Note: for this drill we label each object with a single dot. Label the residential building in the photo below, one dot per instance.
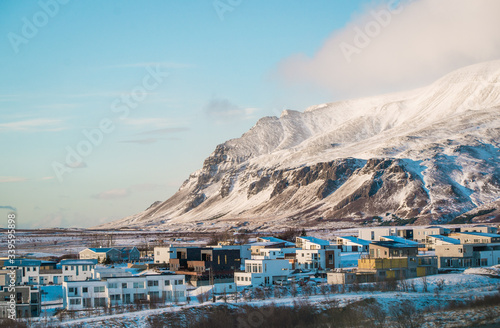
(275, 253)
(101, 273)
(275, 240)
(454, 256)
(245, 250)
(480, 228)
(307, 242)
(77, 269)
(389, 259)
(264, 272)
(317, 259)
(255, 248)
(437, 240)
(130, 254)
(26, 299)
(119, 291)
(101, 254)
(374, 234)
(353, 244)
(420, 234)
(467, 255)
(476, 237)
(30, 270)
(10, 275)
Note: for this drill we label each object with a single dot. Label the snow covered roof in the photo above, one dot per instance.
(401, 240)
(101, 249)
(392, 244)
(23, 263)
(79, 262)
(356, 240)
(276, 240)
(446, 239)
(481, 234)
(315, 240)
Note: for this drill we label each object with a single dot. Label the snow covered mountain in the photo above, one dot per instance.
(430, 154)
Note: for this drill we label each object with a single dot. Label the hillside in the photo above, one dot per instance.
(429, 154)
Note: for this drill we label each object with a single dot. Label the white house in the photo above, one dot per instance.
(437, 240)
(275, 240)
(273, 253)
(374, 234)
(420, 234)
(101, 273)
(353, 244)
(307, 242)
(100, 254)
(263, 272)
(317, 259)
(30, 270)
(164, 254)
(77, 269)
(479, 228)
(123, 290)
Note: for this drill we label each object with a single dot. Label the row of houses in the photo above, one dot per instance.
(110, 254)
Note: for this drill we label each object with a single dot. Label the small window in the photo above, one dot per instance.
(99, 289)
(124, 285)
(167, 282)
(85, 289)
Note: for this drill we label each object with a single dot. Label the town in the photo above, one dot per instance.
(118, 279)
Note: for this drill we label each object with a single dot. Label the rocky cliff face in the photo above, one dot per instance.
(428, 155)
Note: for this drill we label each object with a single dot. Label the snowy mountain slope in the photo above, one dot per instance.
(431, 153)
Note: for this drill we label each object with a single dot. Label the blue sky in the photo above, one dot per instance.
(66, 68)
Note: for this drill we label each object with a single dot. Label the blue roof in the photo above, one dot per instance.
(78, 262)
(101, 249)
(392, 244)
(276, 240)
(23, 263)
(401, 240)
(446, 239)
(482, 234)
(357, 240)
(316, 240)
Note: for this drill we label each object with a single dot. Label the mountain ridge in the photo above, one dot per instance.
(430, 153)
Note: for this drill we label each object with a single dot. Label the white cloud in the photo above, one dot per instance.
(12, 179)
(224, 109)
(112, 194)
(32, 125)
(418, 43)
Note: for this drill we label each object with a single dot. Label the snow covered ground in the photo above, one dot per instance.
(441, 290)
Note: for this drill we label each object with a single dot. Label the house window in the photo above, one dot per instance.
(113, 285)
(115, 297)
(85, 289)
(71, 289)
(167, 282)
(75, 301)
(179, 282)
(139, 284)
(72, 267)
(152, 283)
(99, 289)
(124, 285)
